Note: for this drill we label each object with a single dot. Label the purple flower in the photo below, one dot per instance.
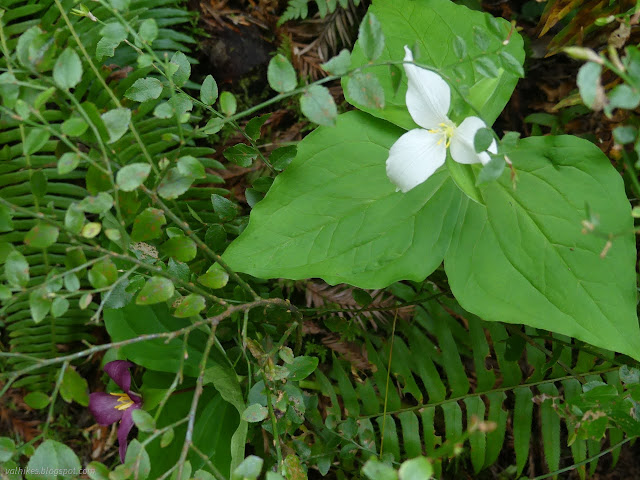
(108, 408)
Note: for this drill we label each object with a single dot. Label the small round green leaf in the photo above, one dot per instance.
(370, 36)
(16, 269)
(35, 140)
(249, 469)
(144, 89)
(74, 387)
(143, 420)
(280, 74)
(365, 89)
(174, 184)
(209, 90)
(116, 122)
(132, 176)
(67, 71)
(418, 468)
(91, 230)
(37, 400)
(224, 208)
(59, 306)
(214, 278)
(255, 413)
(181, 248)
(318, 106)
(191, 167)
(42, 235)
(74, 127)
(148, 225)
(156, 290)
(183, 72)
(167, 438)
(191, 305)
(7, 449)
(68, 162)
(39, 304)
(228, 103)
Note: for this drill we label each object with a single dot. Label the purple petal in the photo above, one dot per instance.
(118, 370)
(123, 431)
(103, 407)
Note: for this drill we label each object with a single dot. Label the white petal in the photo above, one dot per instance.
(462, 149)
(428, 95)
(414, 157)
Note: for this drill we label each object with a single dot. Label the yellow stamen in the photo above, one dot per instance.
(446, 131)
(124, 401)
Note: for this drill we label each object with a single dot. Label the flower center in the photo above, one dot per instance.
(446, 131)
(124, 401)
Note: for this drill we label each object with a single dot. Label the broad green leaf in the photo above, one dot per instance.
(190, 305)
(323, 217)
(224, 208)
(148, 225)
(16, 269)
(113, 34)
(174, 184)
(280, 74)
(370, 36)
(183, 72)
(42, 235)
(144, 89)
(68, 162)
(181, 248)
(132, 176)
(35, 140)
(117, 122)
(209, 90)
(318, 106)
(571, 285)
(409, 22)
(37, 400)
(74, 387)
(52, 455)
(39, 304)
(255, 413)
(156, 290)
(67, 72)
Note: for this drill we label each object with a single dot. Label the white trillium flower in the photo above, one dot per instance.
(417, 154)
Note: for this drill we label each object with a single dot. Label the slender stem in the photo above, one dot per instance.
(386, 388)
(274, 420)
